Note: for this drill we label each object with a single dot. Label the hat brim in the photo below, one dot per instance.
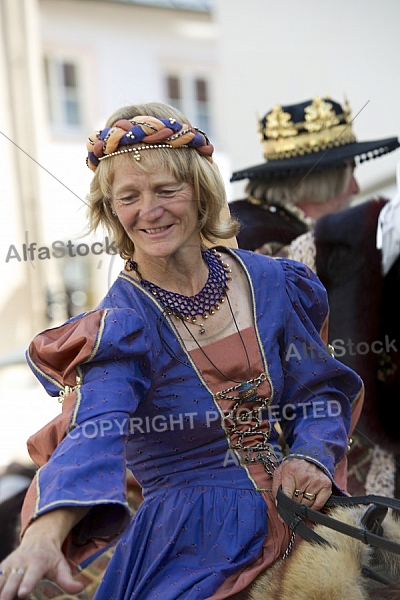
(317, 161)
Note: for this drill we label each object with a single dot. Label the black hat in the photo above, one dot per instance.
(310, 135)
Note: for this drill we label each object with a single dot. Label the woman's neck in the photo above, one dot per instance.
(184, 274)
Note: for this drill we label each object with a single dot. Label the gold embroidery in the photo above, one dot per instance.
(279, 124)
(321, 129)
(319, 115)
(67, 390)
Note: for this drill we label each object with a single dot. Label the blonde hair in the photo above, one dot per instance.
(315, 188)
(184, 164)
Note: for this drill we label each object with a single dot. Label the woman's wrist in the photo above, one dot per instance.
(55, 525)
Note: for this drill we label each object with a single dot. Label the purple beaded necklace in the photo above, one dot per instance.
(205, 303)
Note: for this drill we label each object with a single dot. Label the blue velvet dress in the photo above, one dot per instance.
(135, 397)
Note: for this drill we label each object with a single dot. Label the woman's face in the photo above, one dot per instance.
(158, 213)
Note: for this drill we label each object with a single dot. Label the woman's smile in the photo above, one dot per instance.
(158, 212)
(156, 230)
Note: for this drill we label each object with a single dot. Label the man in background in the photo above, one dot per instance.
(297, 206)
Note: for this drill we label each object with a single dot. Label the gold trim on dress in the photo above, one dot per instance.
(35, 367)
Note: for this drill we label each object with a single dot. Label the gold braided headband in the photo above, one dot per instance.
(152, 132)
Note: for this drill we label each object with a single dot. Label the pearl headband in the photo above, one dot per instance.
(153, 132)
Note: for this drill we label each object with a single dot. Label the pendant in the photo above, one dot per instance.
(201, 330)
(247, 392)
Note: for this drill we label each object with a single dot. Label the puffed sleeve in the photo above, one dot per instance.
(96, 365)
(322, 397)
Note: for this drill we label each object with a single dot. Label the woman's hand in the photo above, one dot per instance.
(39, 556)
(31, 562)
(303, 481)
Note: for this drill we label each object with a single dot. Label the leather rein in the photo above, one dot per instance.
(294, 514)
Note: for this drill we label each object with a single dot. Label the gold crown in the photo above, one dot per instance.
(305, 128)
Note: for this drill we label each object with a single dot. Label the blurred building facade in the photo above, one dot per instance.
(66, 66)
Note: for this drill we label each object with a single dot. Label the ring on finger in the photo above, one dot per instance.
(297, 493)
(310, 497)
(17, 571)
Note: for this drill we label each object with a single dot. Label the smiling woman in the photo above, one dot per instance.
(177, 376)
(158, 213)
(175, 157)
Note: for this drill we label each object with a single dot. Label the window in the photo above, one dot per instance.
(63, 93)
(174, 91)
(191, 95)
(202, 105)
